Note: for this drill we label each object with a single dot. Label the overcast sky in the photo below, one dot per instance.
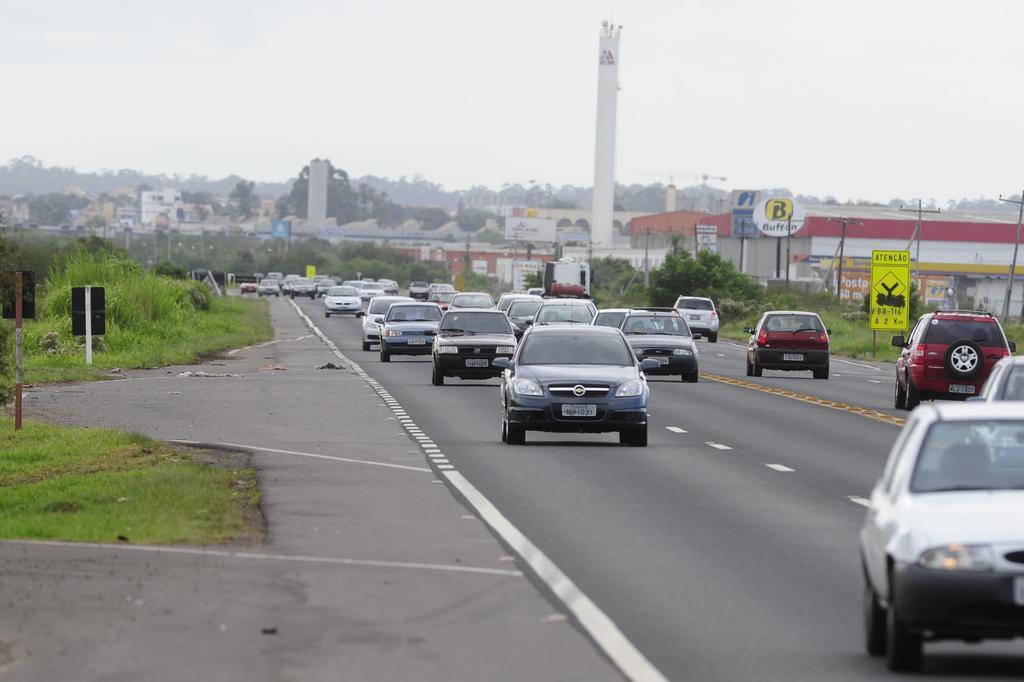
(857, 98)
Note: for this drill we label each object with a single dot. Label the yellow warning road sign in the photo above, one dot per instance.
(310, 271)
(890, 290)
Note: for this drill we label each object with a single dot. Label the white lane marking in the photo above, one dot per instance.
(859, 364)
(622, 652)
(862, 501)
(873, 381)
(268, 343)
(718, 446)
(266, 557)
(675, 429)
(780, 467)
(721, 355)
(305, 454)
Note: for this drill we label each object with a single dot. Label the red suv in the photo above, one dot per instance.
(949, 355)
(788, 340)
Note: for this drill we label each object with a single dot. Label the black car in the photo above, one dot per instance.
(577, 380)
(665, 338)
(468, 342)
(521, 313)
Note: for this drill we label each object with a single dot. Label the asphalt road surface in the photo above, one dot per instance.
(727, 549)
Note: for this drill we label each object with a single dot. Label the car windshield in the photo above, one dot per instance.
(343, 291)
(609, 319)
(793, 323)
(949, 331)
(417, 285)
(442, 296)
(524, 308)
(414, 313)
(576, 349)
(476, 323)
(301, 282)
(327, 283)
(694, 303)
(380, 306)
(473, 301)
(565, 313)
(971, 455)
(670, 325)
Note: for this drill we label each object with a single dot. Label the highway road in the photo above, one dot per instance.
(727, 549)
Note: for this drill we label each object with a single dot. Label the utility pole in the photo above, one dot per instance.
(19, 346)
(789, 240)
(647, 262)
(917, 237)
(1013, 263)
(743, 242)
(844, 221)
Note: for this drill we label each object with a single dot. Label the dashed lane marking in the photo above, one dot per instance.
(718, 446)
(780, 468)
(859, 364)
(602, 629)
(256, 556)
(873, 381)
(862, 501)
(675, 429)
(804, 398)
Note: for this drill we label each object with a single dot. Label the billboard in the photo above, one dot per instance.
(530, 229)
(281, 229)
(742, 203)
(707, 238)
(779, 216)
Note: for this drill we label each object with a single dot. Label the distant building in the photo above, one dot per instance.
(156, 203)
(316, 209)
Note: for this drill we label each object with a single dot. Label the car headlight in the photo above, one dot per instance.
(447, 349)
(958, 558)
(526, 387)
(629, 389)
(392, 332)
(682, 351)
(506, 350)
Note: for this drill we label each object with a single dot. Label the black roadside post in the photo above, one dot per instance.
(18, 347)
(18, 303)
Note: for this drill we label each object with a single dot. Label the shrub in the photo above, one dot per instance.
(6, 362)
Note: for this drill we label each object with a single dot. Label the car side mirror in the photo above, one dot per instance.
(748, 330)
(829, 332)
(698, 337)
(502, 363)
(899, 342)
(528, 323)
(1013, 346)
(649, 363)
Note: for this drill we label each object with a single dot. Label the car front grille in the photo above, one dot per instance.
(654, 351)
(478, 351)
(590, 390)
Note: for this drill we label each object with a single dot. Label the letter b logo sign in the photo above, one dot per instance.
(779, 209)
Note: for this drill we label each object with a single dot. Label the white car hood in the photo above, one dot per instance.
(966, 517)
(342, 299)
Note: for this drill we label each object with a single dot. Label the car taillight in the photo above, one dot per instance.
(762, 338)
(823, 339)
(714, 314)
(917, 356)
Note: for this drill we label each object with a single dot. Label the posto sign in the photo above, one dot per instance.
(779, 217)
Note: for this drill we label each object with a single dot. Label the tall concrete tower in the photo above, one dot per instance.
(604, 148)
(316, 208)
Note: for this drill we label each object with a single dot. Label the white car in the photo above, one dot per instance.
(471, 299)
(370, 290)
(1006, 382)
(374, 317)
(343, 301)
(390, 286)
(700, 315)
(943, 542)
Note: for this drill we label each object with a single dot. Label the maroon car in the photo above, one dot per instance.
(788, 340)
(948, 355)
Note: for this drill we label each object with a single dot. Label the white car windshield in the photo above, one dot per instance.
(343, 291)
(565, 313)
(379, 307)
(971, 455)
(473, 301)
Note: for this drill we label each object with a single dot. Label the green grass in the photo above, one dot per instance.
(93, 485)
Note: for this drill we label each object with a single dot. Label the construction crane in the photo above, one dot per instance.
(704, 177)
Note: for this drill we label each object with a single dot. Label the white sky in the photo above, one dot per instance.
(855, 98)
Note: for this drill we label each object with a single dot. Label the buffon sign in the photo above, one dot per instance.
(779, 217)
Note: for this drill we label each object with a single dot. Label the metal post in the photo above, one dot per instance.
(842, 248)
(1013, 263)
(789, 240)
(647, 263)
(778, 257)
(917, 237)
(18, 351)
(743, 244)
(88, 325)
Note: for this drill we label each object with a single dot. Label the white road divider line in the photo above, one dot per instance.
(314, 455)
(615, 645)
(858, 364)
(873, 381)
(862, 501)
(780, 467)
(676, 429)
(718, 446)
(266, 557)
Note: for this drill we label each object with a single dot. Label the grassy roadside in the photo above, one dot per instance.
(93, 485)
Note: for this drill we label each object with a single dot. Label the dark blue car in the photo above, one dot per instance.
(576, 380)
(408, 329)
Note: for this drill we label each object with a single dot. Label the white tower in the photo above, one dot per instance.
(604, 148)
(316, 208)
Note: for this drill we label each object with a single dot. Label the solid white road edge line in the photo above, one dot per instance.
(307, 454)
(858, 364)
(780, 467)
(615, 645)
(270, 557)
(633, 664)
(864, 502)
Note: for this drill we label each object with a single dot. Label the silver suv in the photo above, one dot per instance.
(700, 315)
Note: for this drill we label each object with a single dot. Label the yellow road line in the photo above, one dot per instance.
(810, 399)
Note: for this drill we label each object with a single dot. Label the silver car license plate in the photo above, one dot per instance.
(569, 410)
(1018, 590)
(695, 317)
(477, 362)
(966, 389)
(793, 357)
(661, 361)
(417, 342)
